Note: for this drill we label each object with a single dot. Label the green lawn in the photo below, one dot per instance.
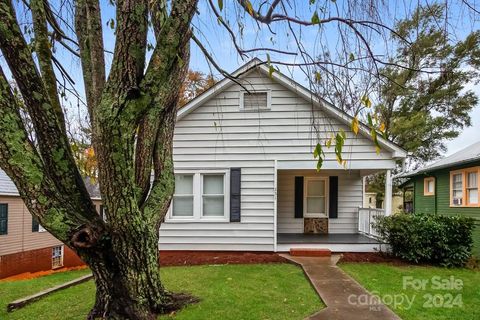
(433, 302)
(263, 291)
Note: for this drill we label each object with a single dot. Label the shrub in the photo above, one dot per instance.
(428, 238)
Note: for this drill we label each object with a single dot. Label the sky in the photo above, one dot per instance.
(250, 35)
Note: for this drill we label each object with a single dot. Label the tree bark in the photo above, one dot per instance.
(132, 116)
(127, 276)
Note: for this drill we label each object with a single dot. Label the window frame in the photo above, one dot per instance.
(269, 100)
(198, 197)
(202, 195)
(425, 186)
(305, 196)
(464, 172)
(185, 195)
(61, 264)
(40, 228)
(5, 233)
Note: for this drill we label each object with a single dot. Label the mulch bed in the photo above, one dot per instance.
(33, 275)
(371, 257)
(190, 258)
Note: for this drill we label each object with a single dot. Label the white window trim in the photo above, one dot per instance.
(61, 257)
(195, 196)
(41, 229)
(269, 100)
(198, 198)
(305, 193)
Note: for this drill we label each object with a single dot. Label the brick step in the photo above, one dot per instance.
(310, 252)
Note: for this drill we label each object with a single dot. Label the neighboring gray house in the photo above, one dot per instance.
(246, 177)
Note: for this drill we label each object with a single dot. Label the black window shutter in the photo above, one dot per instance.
(3, 218)
(235, 196)
(298, 197)
(35, 225)
(333, 197)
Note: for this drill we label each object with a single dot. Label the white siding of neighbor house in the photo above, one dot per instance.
(349, 200)
(218, 135)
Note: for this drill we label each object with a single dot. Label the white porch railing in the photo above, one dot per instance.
(366, 217)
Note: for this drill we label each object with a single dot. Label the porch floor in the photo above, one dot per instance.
(332, 238)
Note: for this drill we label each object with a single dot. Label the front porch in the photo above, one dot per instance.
(335, 242)
(324, 210)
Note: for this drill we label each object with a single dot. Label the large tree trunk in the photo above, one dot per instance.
(127, 276)
(132, 114)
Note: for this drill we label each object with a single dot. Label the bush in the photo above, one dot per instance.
(428, 238)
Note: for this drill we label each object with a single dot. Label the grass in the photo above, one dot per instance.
(387, 281)
(262, 291)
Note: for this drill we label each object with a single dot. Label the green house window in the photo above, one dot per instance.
(3, 218)
(472, 187)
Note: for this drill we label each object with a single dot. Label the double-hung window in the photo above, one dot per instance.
(3, 218)
(57, 257)
(464, 187)
(472, 188)
(183, 196)
(213, 195)
(200, 196)
(457, 189)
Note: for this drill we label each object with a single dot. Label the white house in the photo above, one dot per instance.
(246, 177)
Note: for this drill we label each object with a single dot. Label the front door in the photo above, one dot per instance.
(315, 217)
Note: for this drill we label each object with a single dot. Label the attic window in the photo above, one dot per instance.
(255, 101)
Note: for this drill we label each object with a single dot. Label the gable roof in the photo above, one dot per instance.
(8, 188)
(397, 151)
(464, 156)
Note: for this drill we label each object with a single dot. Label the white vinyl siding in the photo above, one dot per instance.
(220, 135)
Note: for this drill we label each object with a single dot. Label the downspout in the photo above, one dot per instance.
(275, 186)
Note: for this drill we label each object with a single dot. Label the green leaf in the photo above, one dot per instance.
(370, 121)
(339, 142)
(318, 76)
(366, 101)
(318, 153)
(315, 18)
(220, 4)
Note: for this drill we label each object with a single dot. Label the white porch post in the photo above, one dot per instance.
(388, 193)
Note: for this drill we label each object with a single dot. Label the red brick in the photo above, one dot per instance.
(309, 252)
(34, 261)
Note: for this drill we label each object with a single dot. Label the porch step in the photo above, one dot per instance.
(310, 252)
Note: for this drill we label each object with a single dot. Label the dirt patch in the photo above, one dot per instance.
(33, 275)
(190, 258)
(370, 257)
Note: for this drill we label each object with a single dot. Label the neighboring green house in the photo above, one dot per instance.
(449, 186)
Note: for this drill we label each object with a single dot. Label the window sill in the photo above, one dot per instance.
(466, 206)
(196, 220)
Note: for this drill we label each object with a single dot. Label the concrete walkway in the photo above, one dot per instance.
(344, 297)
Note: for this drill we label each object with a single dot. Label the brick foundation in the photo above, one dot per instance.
(34, 261)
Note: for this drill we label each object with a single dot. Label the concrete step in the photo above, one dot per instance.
(310, 252)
